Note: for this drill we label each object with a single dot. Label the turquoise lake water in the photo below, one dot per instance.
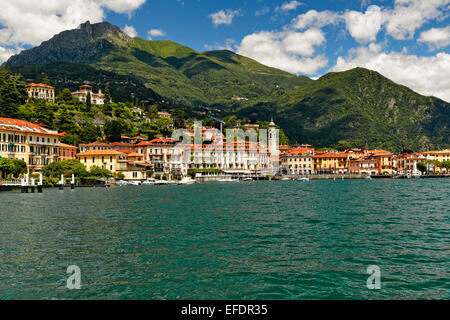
(256, 240)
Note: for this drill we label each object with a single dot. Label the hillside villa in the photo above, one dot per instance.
(41, 91)
(96, 98)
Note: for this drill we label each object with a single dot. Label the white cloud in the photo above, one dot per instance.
(131, 31)
(26, 23)
(303, 43)
(422, 74)
(122, 6)
(410, 15)
(288, 6)
(6, 53)
(224, 16)
(290, 51)
(364, 27)
(155, 33)
(436, 38)
(316, 19)
(400, 22)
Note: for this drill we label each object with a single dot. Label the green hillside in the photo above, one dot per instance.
(360, 106)
(174, 72)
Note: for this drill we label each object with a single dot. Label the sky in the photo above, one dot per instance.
(405, 40)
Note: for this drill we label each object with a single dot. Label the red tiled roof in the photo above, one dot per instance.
(155, 142)
(96, 144)
(40, 85)
(63, 145)
(23, 126)
(100, 153)
(332, 155)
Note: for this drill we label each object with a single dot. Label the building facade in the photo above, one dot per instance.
(96, 98)
(32, 143)
(105, 159)
(298, 161)
(67, 152)
(41, 91)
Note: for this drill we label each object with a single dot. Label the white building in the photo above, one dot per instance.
(96, 98)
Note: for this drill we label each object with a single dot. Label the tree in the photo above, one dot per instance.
(89, 132)
(153, 113)
(88, 102)
(65, 96)
(99, 172)
(12, 93)
(165, 126)
(74, 166)
(178, 117)
(422, 167)
(446, 165)
(108, 100)
(20, 167)
(342, 145)
(70, 139)
(53, 170)
(119, 176)
(6, 167)
(113, 130)
(46, 80)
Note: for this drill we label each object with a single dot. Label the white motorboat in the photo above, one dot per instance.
(134, 183)
(148, 183)
(161, 183)
(187, 180)
(303, 179)
(285, 179)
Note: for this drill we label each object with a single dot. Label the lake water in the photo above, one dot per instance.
(256, 240)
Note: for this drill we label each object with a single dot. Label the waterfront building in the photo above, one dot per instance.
(32, 143)
(134, 168)
(385, 161)
(41, 91)
(159, 153)
(106, 159)
(364, 165)
(437, 156)
(96, 98)
(67, 152)
(331, 162)
(407, 163)
(298, 161)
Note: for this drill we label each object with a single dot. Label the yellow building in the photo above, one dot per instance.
(298, 161)
(106, 159)
(41, 91)
(34, 144)
(331, 163)
(441, 156)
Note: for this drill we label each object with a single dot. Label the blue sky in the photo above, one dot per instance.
(406, 40)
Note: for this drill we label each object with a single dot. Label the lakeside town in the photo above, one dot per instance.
(36, 150)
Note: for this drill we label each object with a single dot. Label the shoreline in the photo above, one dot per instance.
(280, 178)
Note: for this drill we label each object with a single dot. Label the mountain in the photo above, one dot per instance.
(360, 106)
(169, 70)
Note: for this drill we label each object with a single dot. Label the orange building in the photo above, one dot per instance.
(67, 152)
